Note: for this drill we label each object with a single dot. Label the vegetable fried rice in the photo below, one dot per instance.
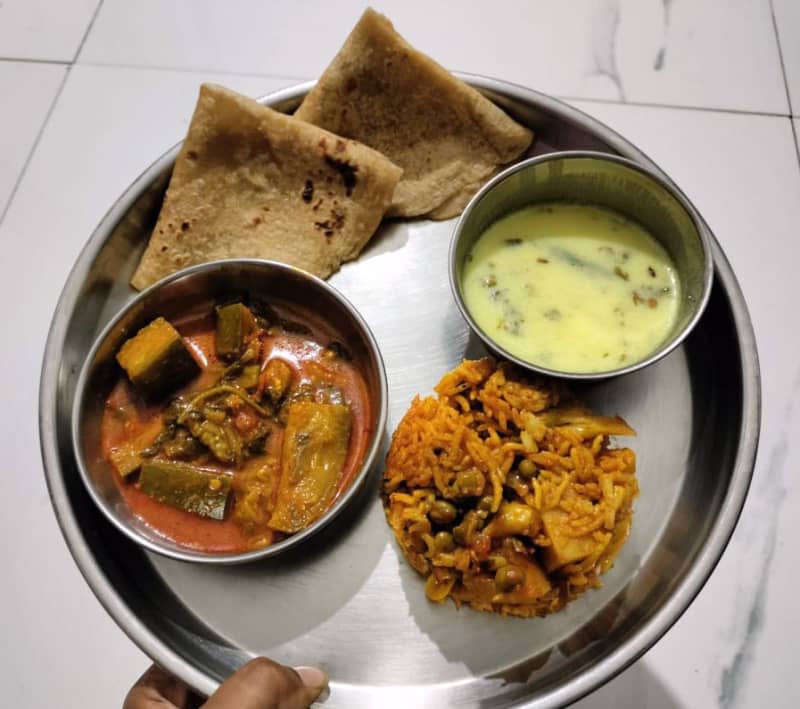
(505, 493)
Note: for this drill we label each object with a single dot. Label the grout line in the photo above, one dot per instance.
(36, 141)
(785, 79)
(652, 104)
(26, 60)
(298, 79)
(780, 56)
(88, 30)
(192, 70)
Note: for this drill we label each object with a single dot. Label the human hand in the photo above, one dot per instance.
(260, 684)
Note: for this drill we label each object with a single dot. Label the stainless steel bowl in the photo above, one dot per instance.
(610, 181)
(189, 290)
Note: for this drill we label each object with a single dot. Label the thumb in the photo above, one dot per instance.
(264, 684)
(156, 689)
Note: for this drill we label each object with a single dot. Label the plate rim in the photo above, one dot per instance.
(604, 669)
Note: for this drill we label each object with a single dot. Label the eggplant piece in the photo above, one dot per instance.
(317, 391)
(156, 359)
(234, 323)
(126, 459)
(186, 487)
(181, 445)
(315, 446)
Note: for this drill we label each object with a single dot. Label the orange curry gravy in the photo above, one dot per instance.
(129, 419)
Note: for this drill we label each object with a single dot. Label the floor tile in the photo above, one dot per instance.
(796, 122)
(94, 153)
(640, 50)
(109, 123)
(742, 173)
(106, 127)
(787, 20)
(684, 54)
(41, 29)
(28, 91)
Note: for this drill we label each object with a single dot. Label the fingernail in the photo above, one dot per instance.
(312, 677)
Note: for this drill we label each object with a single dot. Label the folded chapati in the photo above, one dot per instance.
(250, 182)
(445, 135)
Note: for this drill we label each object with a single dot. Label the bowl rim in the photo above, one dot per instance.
(667, 346)
(292, 541)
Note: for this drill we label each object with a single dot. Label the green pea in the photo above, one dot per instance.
(527, 469)
(443, 541)
(509, 577)
(442, 512)
(485, 503)
(469, 482)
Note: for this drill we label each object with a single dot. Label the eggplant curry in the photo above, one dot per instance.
(235, 428)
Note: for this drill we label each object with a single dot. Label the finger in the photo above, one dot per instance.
(264, 684)
(157, 689)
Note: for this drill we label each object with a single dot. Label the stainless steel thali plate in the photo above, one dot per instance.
(348, 601)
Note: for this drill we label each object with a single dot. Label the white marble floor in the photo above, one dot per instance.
(93, 91)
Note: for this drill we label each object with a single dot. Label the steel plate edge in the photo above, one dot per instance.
(604, 670)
